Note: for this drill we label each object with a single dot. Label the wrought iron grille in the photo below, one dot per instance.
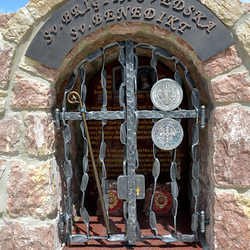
(129, 116)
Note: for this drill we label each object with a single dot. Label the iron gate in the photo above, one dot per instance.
(130, 186)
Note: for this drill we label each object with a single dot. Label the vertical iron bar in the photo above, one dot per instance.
(156, 165)
(131, 138)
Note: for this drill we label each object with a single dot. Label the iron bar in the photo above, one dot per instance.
(74, 97)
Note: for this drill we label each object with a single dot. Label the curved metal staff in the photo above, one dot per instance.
(73, 98)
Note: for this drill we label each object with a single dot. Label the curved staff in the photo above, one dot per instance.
(73, 98)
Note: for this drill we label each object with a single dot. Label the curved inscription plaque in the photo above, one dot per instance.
(167, 134)
(189, 19)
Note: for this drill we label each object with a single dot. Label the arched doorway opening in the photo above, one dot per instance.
(118, 99)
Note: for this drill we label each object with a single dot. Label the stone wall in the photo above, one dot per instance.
(29, 172)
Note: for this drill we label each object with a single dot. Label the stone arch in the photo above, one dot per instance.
(29, 151)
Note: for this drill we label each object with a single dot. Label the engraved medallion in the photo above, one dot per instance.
(167, 134)
(166, 94)
(162, 201)
(114, 202)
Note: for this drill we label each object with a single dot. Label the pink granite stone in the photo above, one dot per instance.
(10, 130)
(231, 88)
(31, 94)
(230, 225)
(247, 5)
(47, 72)
(31, 191)
(6, 236)
(4, 18)
(39, 135)
(6, 53)
(20, 236)
(224, 61)
(230, 147)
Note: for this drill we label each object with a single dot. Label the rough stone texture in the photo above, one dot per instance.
(228, 11)
(17, 236)
(10, 130)
(231, 88)
(31, 190)
(244, 201)
(231, 227)
(229, 158)
(125, 28)
(39, 134)
(3, 160)
(31, 94)
(247, 5)
(224, 61)
(95, 35)
(40, 69)
(42, 7)
(4, 18)
(6, 53)
(159, 31)
(3, 95)
(242, 31)
(18, 25)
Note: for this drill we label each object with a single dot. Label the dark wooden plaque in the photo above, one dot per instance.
(189, 19)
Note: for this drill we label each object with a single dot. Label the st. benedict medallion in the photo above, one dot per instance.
(167, 134)
(166, 94)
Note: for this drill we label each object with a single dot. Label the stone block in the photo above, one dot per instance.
(231, 226)
(6, 53)
(247, 5)
(40, 69)
(125, 28)
(242, 31)
(41, 8)
(224, 61)
(21, 236)
(39, 135)
(95, 35)
(31, 190)
(244, 201)
(234, 87)
(6, 236)
(229, 157)
(10, 131)
(228, 11)
(31, 94)
(4, 18)
(18, 25)
(159, 31)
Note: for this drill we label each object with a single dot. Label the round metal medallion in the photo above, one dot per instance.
(167, 134)
(166, 94)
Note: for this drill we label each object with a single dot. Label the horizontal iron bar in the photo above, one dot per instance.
(81, 238)
(118, 115)
(168, 238)
(94, 115)
(156, 114)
